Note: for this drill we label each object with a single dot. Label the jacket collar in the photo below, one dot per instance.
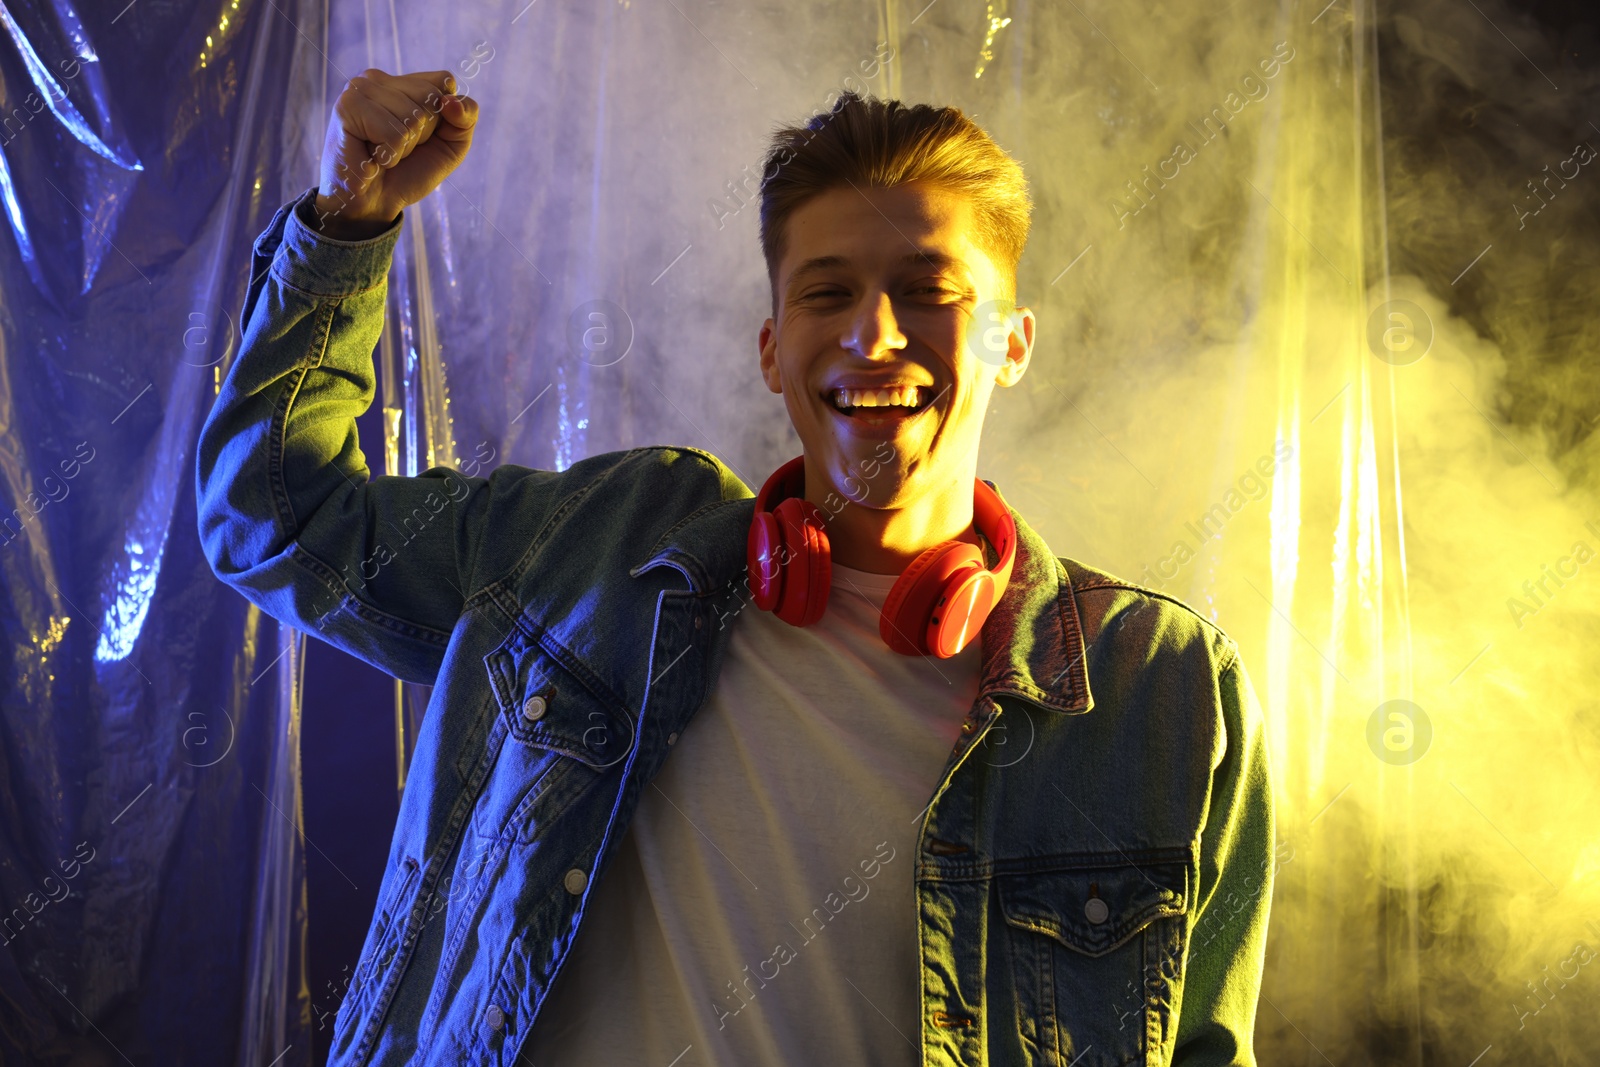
(1032, 640)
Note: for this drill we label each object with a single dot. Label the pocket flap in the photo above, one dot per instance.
(548, 707)
(1093, 909)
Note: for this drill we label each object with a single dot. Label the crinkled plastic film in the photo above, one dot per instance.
(151, 864)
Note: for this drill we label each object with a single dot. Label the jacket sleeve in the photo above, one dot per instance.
(1227, 946)
(288, 513)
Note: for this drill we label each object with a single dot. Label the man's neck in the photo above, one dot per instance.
(885, 541)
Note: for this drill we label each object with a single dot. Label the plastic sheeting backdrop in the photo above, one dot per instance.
(1361, 313)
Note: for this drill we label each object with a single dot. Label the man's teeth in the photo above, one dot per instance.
(905, 396)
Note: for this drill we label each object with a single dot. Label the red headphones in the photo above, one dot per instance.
(934, 608)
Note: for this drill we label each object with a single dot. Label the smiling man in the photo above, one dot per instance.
(847, 768)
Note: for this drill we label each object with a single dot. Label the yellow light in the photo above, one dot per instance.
(986, 52)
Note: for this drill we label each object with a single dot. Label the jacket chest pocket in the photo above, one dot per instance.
(1096, 954)
(557, 739)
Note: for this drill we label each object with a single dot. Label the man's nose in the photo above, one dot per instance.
(874, 328)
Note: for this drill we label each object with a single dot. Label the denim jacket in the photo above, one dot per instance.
(1096, 858)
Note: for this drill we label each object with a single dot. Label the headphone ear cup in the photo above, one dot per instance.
(907, 611)
(764, 554)
(960, 611)
(806, 563)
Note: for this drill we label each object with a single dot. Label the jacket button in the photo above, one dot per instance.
(697, 622)
(494, 1018)
(968, 726)
(575, 881)
(533, 709)
(672, 738)
(1095, 910)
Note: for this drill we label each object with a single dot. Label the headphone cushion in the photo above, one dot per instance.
(807, 565)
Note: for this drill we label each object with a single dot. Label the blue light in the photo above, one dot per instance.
(125, 616)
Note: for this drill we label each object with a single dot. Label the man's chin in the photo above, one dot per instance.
(870, 475)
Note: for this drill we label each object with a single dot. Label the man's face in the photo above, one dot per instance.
(879, 289)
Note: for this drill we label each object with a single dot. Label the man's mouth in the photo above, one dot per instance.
(881, 406)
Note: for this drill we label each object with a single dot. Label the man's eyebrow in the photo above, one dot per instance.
(929, 256)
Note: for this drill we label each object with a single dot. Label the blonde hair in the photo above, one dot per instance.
(865, 141)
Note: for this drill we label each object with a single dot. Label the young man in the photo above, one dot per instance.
(850, 770)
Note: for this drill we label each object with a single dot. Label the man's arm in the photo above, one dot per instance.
(288, 513)
(1227, 946)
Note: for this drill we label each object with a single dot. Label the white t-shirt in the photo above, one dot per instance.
(761, 907)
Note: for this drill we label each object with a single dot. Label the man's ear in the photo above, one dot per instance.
(1019, 347)
(769, 357)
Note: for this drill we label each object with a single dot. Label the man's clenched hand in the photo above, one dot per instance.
(392, 139)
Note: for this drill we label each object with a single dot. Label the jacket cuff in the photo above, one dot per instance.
(324, 266)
